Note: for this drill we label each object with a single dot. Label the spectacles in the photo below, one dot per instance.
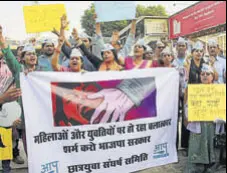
(30, 53)
(161, 47)
(85, 41)
(138, 46)
(205, 73)
(201, 51)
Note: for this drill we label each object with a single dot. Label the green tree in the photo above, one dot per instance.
(158, 10)
(88, 22)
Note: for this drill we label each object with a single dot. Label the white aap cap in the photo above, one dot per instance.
(107, 47)
(48, 41)
(160, 43)
(28, 48)
(181, 40)
(148, 48)
(207, 68)
(141, 42)
(212, 42)
(166, 51)
(21, 44)
(198, 46)
(84, 35)
(75, 53)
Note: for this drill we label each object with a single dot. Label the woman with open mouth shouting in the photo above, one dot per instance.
(75, 63)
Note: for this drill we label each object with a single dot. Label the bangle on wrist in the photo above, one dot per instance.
(58, 50)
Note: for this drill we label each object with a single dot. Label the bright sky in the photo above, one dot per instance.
(12, 19)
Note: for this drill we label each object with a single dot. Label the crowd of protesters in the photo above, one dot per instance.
(75, 55)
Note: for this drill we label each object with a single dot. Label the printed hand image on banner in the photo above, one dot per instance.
(101, 122)
(104, 101)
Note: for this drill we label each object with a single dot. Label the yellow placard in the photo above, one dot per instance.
(206, 102)
(6, 145)
(42, 18)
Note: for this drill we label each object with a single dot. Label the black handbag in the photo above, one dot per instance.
(220, 141)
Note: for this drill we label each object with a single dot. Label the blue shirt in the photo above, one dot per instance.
(45, 62)
(220, 67)
(178, 62)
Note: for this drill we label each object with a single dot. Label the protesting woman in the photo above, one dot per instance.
(75, 62)
(203, 155)
(110, 60)
(195, 64)
(135, 62)
(158, 50)
(193, 70)
(166, 58)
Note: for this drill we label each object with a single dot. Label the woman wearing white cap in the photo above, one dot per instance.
(193, 70)
(195, 65)
(135, 62)
(110, 57)
(166, 58)
(109, 60)
(148, 55)
(203, 156)
(75, 62)
(158, 50)
(67, 47)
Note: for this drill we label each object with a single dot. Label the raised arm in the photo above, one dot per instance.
(98, 28)
(96, 61)
(11, 60)
(66, 47)
(64, 25)
(98, 38)
(56, 66)
(125, 51)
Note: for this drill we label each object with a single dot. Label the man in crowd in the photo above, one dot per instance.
(178, 63)
(44, 60)
(216, 61)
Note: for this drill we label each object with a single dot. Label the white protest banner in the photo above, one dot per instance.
(108, 11)
(101, 121)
